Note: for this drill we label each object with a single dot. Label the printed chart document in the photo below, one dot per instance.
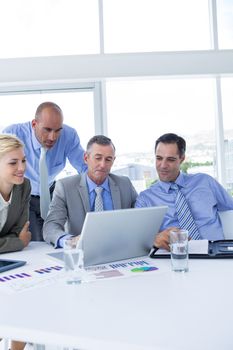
(28, 278)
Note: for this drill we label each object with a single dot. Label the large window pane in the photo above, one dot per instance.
(225, 23)
(78, 110)
(227, 104)
(48, 27)
(161, 25)
(140, 111)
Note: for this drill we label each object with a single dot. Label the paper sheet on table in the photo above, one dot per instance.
(46, 275)
(199, 246)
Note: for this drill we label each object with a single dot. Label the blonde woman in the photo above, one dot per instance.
(14, 196)
(14, 200)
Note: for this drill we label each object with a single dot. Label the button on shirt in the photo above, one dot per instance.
(204, 195)
(67, 146)
(4, 207)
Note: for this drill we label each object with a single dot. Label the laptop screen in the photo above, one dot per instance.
(119, 234)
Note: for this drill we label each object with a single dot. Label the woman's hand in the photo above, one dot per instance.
(25, 234)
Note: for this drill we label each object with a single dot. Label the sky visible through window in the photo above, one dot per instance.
(161, 25)
(48, 27)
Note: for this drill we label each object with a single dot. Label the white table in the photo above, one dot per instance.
(157, 310)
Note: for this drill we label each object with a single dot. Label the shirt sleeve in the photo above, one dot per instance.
(60, 241)
(76, 152)
(224, 199)
(140, 203)
(10, 129)
(10, 243)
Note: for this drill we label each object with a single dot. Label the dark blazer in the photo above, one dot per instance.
(18, 215)
(71, 203)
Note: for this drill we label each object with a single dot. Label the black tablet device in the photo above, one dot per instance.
(6, 264)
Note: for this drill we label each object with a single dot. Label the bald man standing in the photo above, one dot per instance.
(59, 142)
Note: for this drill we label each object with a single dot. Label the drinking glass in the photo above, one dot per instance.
(179, 250)
(73, 262)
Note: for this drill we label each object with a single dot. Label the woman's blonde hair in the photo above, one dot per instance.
(9, 143)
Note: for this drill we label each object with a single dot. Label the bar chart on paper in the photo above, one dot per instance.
(18, 282)
(129, 264)
(124, 268)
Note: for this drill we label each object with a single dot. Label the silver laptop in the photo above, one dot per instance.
(119, 234)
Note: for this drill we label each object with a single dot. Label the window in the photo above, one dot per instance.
(161, 25)
(48, 27)
(225, 23)
(77, 107)
(227, 105)
(139, 111)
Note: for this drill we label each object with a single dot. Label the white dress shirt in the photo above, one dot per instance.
(4, 207)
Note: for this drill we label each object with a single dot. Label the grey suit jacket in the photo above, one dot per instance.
(17, 216)
(71, 203)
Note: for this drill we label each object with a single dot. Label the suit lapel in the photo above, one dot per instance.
(115, 192)
(13, 209)
(83, 191)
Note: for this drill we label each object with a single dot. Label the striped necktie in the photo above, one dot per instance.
(44, 185)
(184, 214)
(98, 199)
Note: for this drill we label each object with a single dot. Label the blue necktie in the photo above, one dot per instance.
(184, 214)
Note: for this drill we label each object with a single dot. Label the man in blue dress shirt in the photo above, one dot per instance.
(76, 195)
(204, 195)
(62, 142)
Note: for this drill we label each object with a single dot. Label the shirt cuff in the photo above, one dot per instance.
(60, 241)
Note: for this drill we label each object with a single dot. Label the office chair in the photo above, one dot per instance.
(227, 223)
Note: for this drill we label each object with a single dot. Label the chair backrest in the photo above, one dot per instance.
(227, 223)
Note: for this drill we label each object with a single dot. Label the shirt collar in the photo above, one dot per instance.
(92, 185)
(180, 181)
(3, 203)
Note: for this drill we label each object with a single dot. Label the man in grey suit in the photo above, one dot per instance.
(74, 196)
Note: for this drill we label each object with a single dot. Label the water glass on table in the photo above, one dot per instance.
(179, 250)
(73, 262)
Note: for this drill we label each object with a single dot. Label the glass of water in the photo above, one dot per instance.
(73, 262)
(179, 250)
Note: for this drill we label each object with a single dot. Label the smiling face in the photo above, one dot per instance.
(47, 126)
(12, 167)
(99, 160)
(168, 161)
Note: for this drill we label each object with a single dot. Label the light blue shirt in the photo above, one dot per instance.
(204, 195)
(67, 146)
(106, 194)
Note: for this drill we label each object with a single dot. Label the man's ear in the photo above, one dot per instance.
(33, 123)
(182, 159)
(85, 156)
